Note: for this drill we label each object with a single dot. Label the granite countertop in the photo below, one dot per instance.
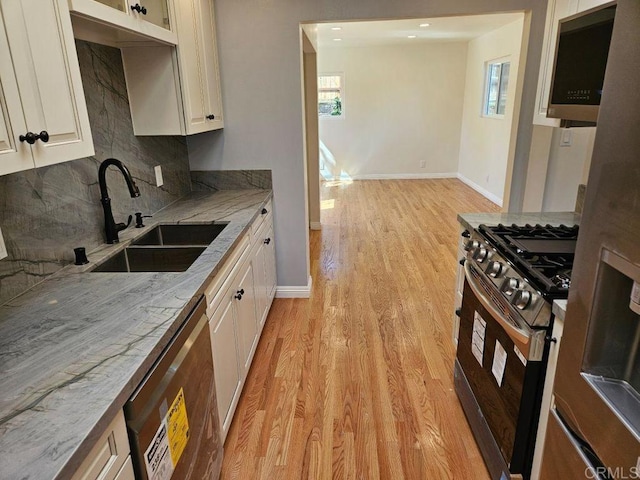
(473, 220)
(75, 347)
(559, 308)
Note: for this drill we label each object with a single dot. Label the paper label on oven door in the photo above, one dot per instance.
(477, 339)
(157, 458)
(499, 362)
(177, 427)
(522, 358)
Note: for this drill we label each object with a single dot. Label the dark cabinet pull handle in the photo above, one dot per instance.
(462, 260)
(211, 117)
(31, 137)
(264, 211)
(551, 339)
(458, 312)
(239, 294)
(267, 241)
(139, 9)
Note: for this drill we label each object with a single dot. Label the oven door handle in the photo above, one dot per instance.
(520, 337)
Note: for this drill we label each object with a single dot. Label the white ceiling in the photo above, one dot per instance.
(396, 32)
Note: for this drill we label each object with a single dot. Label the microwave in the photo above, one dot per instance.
(580, 61)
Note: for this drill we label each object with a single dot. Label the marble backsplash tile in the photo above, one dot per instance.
(46, 212)
(230, 179)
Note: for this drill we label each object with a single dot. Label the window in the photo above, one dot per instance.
(497, 82)
(330, 95)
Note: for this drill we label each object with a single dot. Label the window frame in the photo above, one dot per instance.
(487, 87)
(341, 89)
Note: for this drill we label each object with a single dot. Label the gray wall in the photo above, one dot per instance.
(46, 212)
(259, 48)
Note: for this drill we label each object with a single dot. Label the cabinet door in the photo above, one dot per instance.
(14, 155)
(48, 76)
(198, 60)
(225, 361)
(244, 299)
(157, 12)
(260, 279)
(270, 265)
(587, 4)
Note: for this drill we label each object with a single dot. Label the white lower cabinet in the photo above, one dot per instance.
(109, 459)
(238, 301)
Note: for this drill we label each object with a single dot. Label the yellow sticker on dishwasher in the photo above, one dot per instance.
(177, 427)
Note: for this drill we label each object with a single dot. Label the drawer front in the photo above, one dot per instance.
(109, 454)
(214, 290)
(260, 219)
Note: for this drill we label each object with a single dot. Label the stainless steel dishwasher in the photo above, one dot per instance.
(172, 417)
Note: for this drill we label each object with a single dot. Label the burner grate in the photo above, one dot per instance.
(542, 253)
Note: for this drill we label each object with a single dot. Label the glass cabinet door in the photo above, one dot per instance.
(155, 11)
(117, 4)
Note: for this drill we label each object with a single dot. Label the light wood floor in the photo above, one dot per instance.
(356, 382)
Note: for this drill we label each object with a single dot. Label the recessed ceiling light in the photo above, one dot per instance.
(412, 36)
(336, 28)
(337, 39)
(425, 24)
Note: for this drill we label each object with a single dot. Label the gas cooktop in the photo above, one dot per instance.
(542, 253)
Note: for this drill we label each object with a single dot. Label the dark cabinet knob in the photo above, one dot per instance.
(461, 261)
(211, 117)
(139, 9)
(31, 137)
(239, 294)
(466, 234)
(458, 312)
(264, 211)
(267, 241)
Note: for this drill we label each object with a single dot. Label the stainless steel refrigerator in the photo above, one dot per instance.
(594, 430)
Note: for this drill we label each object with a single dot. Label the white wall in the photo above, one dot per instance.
(568, 167)
(485, 141)
(402, 105)
(260, 68)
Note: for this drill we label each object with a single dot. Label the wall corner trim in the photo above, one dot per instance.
(295, 291)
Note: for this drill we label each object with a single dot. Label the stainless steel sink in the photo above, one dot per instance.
(181, 234)
(151, 259)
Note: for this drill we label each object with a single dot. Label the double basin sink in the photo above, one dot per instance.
(164, 248)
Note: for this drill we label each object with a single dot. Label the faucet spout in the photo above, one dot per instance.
(110, 226)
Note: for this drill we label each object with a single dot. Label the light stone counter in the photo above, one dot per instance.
(75, 347)
(559, 308)
(473, 220)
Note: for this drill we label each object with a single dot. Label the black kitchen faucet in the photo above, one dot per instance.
(112, 228)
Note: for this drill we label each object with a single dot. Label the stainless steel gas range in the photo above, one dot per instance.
(512, 275)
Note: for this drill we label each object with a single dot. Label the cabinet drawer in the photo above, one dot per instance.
(213, 292)
(109, 454)
(260, 219)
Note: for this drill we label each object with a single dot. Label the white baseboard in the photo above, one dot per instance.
(482, 191)
(396, 176)
(315, 226)
(302, 291)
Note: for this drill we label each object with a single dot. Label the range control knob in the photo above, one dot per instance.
(522, 299)
(471, 245)
(494, 269)
(510, 286)
(480, 254)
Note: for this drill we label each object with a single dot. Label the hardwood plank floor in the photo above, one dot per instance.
(356, 382)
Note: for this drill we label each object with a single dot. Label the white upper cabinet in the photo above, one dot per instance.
(198, 62)
(587, 4)
(109, 21)
(556, 9)
(44, 115)
(177, 91)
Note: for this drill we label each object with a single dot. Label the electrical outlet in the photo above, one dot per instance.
(3, 248)
(423, 164)
(158, 170)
